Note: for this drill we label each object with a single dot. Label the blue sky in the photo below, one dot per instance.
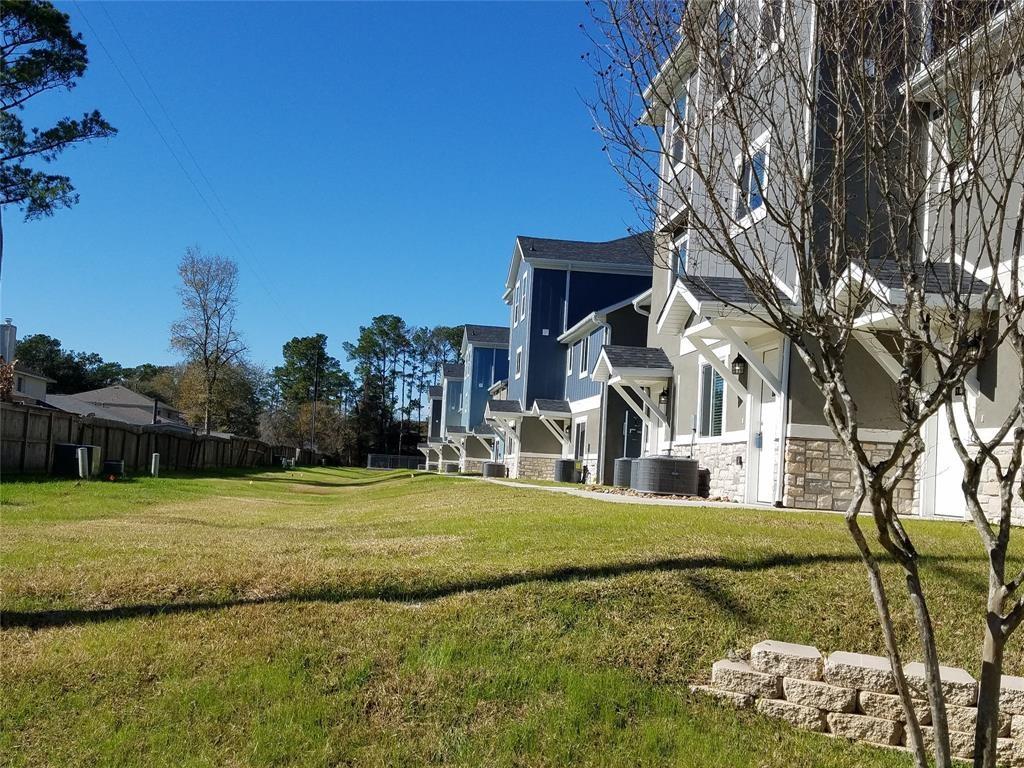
(364, 158)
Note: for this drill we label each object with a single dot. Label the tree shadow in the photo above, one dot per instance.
(398, 593)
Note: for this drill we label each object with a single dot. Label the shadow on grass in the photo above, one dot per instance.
(411, 594)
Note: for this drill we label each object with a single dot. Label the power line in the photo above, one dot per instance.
(174, 154)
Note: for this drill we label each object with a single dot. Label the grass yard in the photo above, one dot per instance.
(343, 617)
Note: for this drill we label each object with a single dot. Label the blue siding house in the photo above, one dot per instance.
(551, 287)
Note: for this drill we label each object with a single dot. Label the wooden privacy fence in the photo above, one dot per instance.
(28, 434)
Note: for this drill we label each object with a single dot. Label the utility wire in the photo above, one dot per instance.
(177, 159)
(174, 127)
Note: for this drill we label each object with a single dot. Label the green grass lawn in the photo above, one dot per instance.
(343, 617)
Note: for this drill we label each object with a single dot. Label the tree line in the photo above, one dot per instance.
(309, 400)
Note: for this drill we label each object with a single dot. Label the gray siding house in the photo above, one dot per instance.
(737, 398)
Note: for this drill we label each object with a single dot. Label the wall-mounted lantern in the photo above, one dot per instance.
(738, 367)
(663, 399)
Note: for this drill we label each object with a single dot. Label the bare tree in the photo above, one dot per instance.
(205, 334)
(857, 165)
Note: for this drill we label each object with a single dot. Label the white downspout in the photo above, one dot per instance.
(783, 425)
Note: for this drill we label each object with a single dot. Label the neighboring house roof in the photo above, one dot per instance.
(636, 358)
(24, 371)
(483, 430)
(119, 395)
(434, 392)
(545, 406)
(497, 386)
(126, 415)
(456, 429)
(487, 335)
(453, 371)
(504, 406)
(632, 254)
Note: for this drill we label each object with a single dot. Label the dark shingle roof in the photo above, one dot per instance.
(632, 250)
(729, 289)
(552, 406)
(434, 392)
(456, 429)
(487, 334)
(483, 429)
(637, 357)
(504, 406)
(938, 278)
(453, 370)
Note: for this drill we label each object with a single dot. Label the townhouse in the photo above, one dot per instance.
(567, 299)
(458, 437)
(737, 398)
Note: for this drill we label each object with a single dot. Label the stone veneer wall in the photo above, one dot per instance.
(818, 476)
(538, 467)
(853, 695)
(988, 490)
(728, 478)
(470, 464)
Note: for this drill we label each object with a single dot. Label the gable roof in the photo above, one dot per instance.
(31, 373)
(648, 363)
(453, 371)
(546, 406)
(485, 335)
(632, 254)
(504, 406)
(120, 395)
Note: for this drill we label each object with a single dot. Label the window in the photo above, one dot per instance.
(519, 362)
(522, 301)
(751, 182)
(770, 24)
(515, 307)
(712, 397)
(584, 354)
(580, 440)
(680, 250)
(677, 138)
(726, 44)
(959, 123)
(19, 384)
(568, 360)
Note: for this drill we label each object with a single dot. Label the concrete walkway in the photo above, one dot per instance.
(616, 498)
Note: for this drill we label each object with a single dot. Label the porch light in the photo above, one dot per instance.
(663, 398)
(739, 366)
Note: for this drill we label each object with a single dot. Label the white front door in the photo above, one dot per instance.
(941, 495)
(766, 435)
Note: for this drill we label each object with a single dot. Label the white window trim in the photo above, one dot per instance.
(522, 300)
(519, 362)
(515, 306)
(776, 44)
(762, 142)
(701, 362)
(584, 354)
(568, 361)
(720, 101)
(675, 249)
(962, 172)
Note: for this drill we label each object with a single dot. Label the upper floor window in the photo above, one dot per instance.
(959, 122)
(680, 250)
(954, 20)
(584, 354)
(712, 399)
(522, 301)
(770, 24)
(751, 182)
(515, 306)
(519, 362)
(568, 360)
(727, 30)
(678, 121)
(19, 384)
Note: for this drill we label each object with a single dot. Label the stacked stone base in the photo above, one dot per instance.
(531, 467)
(854, 696)
(473, 466)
